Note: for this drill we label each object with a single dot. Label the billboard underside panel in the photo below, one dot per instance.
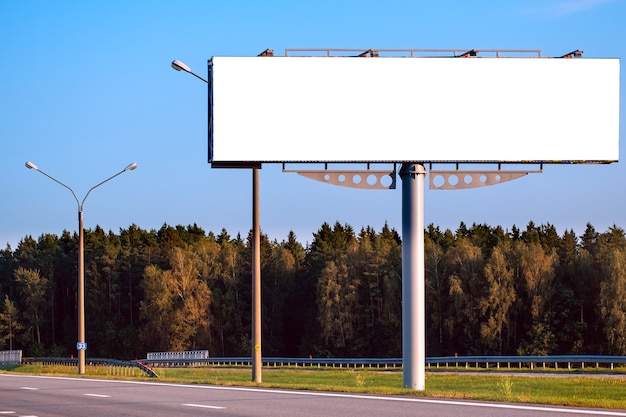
(322, 109)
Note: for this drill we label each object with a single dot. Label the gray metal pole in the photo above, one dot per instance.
(256, 279)
(81, 292)
(413, 288)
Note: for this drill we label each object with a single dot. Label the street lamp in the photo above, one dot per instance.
(256, 255)
(81, 345)
(180, 66)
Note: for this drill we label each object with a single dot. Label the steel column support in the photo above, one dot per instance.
(256, 279)
(413, 287)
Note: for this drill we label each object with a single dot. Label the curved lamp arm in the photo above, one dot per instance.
(30, 165)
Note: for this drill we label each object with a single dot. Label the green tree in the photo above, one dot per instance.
(26, 254)
(102, 292)
(612, 305)
(301, 325)
(337, 303)
(48, 248)
(537, 269)
(466, 266)
(66, 286)
(494, 303)
(436, 280)
(6, 271)
(231, 302)
(589, 240)
(33, 289)
(341, 295)
(9, 323)
(377, 266)
(278, 281)
(138, 249)
(329, 246)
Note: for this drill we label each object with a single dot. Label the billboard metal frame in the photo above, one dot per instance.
(305, 107)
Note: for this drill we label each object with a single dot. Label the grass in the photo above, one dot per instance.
(594, 391)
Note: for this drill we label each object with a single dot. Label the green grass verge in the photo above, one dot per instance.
(567, 390)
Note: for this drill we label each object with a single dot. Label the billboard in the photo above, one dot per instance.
(413, 109)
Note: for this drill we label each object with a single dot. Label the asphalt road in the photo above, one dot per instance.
(28, 395)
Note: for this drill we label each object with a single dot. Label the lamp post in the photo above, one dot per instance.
(256, 256)
(81, 345)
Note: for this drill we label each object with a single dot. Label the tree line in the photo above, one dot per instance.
(489, 291)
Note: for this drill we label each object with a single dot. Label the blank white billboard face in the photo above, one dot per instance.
(339, 109)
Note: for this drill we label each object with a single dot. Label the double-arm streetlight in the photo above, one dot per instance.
(256, 256)
(81, 345)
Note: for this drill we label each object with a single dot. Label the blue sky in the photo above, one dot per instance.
(86, 88)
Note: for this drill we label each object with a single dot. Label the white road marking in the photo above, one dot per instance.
(97, 395)
(205, 406)
(30, 388)
(7, 412)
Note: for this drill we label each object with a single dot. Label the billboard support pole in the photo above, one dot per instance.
(413, 286)
(256, 279)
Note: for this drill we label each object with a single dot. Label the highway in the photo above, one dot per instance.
(41, 396)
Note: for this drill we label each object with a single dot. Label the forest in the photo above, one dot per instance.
(489, 291)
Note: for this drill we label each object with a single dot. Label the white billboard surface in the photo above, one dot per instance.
(401, 109)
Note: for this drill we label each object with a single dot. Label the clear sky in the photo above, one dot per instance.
(86, 88)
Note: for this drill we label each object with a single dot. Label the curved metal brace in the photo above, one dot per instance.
(460, 179)
(365, 179)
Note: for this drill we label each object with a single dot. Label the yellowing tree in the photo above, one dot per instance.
(495, 302)
(612, 304)
(176, 304)
(9, 324)
(537, 270)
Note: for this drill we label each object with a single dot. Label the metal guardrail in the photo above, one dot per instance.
(282, 362)
(437, 363)
(531, 362)
(92, 361)
(467, 362)
(10, 357)
(187, 354)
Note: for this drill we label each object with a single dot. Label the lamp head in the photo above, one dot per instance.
(178, 66)
(30, 165)
(131, 167)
